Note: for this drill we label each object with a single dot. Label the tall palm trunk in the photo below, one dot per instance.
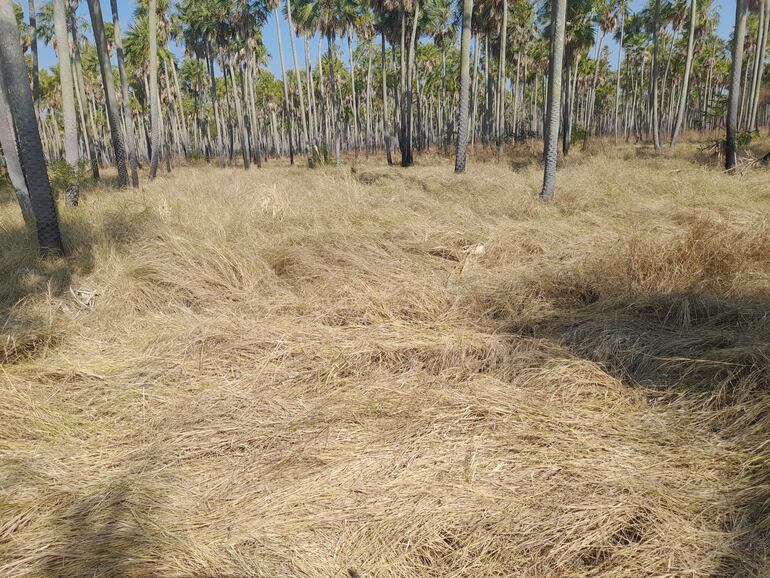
(500, 132)
(127, 117)
(333, 96)
(152, 34)
(764, 29)
(619, 68)
(465, 80)
(687, 70)
(105, 68)
(735, 84)
(11, 154)
(69, 114)
(33, 49)
(385, 117)
(654, 77)
(19, 94)
(303, 113)
(285, 79)
(551, 132)
(353, 99)
(407, 157)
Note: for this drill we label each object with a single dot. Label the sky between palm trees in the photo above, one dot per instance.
(126, 8)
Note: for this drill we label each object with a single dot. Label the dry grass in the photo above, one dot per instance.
(393, 373)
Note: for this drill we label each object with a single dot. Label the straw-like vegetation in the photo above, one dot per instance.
(387, 372)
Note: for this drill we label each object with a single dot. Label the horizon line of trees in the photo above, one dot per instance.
(388, 77)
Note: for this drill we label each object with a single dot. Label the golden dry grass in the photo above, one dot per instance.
(393, 372)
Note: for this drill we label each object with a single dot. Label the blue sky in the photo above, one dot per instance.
(126, 9)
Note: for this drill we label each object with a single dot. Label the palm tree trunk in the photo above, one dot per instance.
(299, 78)
(335, 129)
(127, 116)
(105, 68)
(33, 49)
(654, 77)
(239, 114)
(619, 68)
(558, 20)
(152, 34)
(500, 129)
(285, 80)
(687, 70)
(15, 83)
(735, 84)
(11, 154)
(69, 114)
(764, 28)
(465, 79)
(385, 117)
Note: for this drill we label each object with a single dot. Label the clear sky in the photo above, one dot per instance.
(126, 9)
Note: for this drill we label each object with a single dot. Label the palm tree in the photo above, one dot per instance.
(298, 75)
(654, 79)
(19, 95)
(465, 80)
(127, 116)
(11, 154)
(735, 84)
(71, 146)
(152, 36)
(33, 48)
(687, 70)
(105, 68)
(551, 134)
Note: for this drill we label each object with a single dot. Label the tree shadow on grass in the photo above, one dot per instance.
(699, 350)
(26, 277)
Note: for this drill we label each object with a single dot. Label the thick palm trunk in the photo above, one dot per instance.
(127, 117)
(735, 84)
(407, 155)
(558, 20)
(19, 94)
(465, 79)
(152, 32)
(33, 49)
(105, 68)
(687, 70)
(11, 154)
(69, 114)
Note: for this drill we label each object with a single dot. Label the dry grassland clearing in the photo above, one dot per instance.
(393, 373)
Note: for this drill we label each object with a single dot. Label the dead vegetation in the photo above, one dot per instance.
(393, 373)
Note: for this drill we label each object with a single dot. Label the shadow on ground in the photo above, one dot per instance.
(691, 350)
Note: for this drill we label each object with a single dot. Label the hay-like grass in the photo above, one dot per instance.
(391, 372)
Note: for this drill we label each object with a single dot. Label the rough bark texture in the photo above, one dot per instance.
(11, 155)
(127, 116)
(105, 68)
(735, 84)
(69, 114)
(465, 78)
(30, 147)
(152, 33)
(558, 19)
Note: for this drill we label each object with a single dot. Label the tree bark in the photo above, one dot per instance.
(15, 83)
(465, 57)
(735, 85)
(558, 20)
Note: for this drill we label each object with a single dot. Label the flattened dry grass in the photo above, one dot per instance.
(393, 372)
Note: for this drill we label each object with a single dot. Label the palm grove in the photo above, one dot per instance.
(388, 77)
